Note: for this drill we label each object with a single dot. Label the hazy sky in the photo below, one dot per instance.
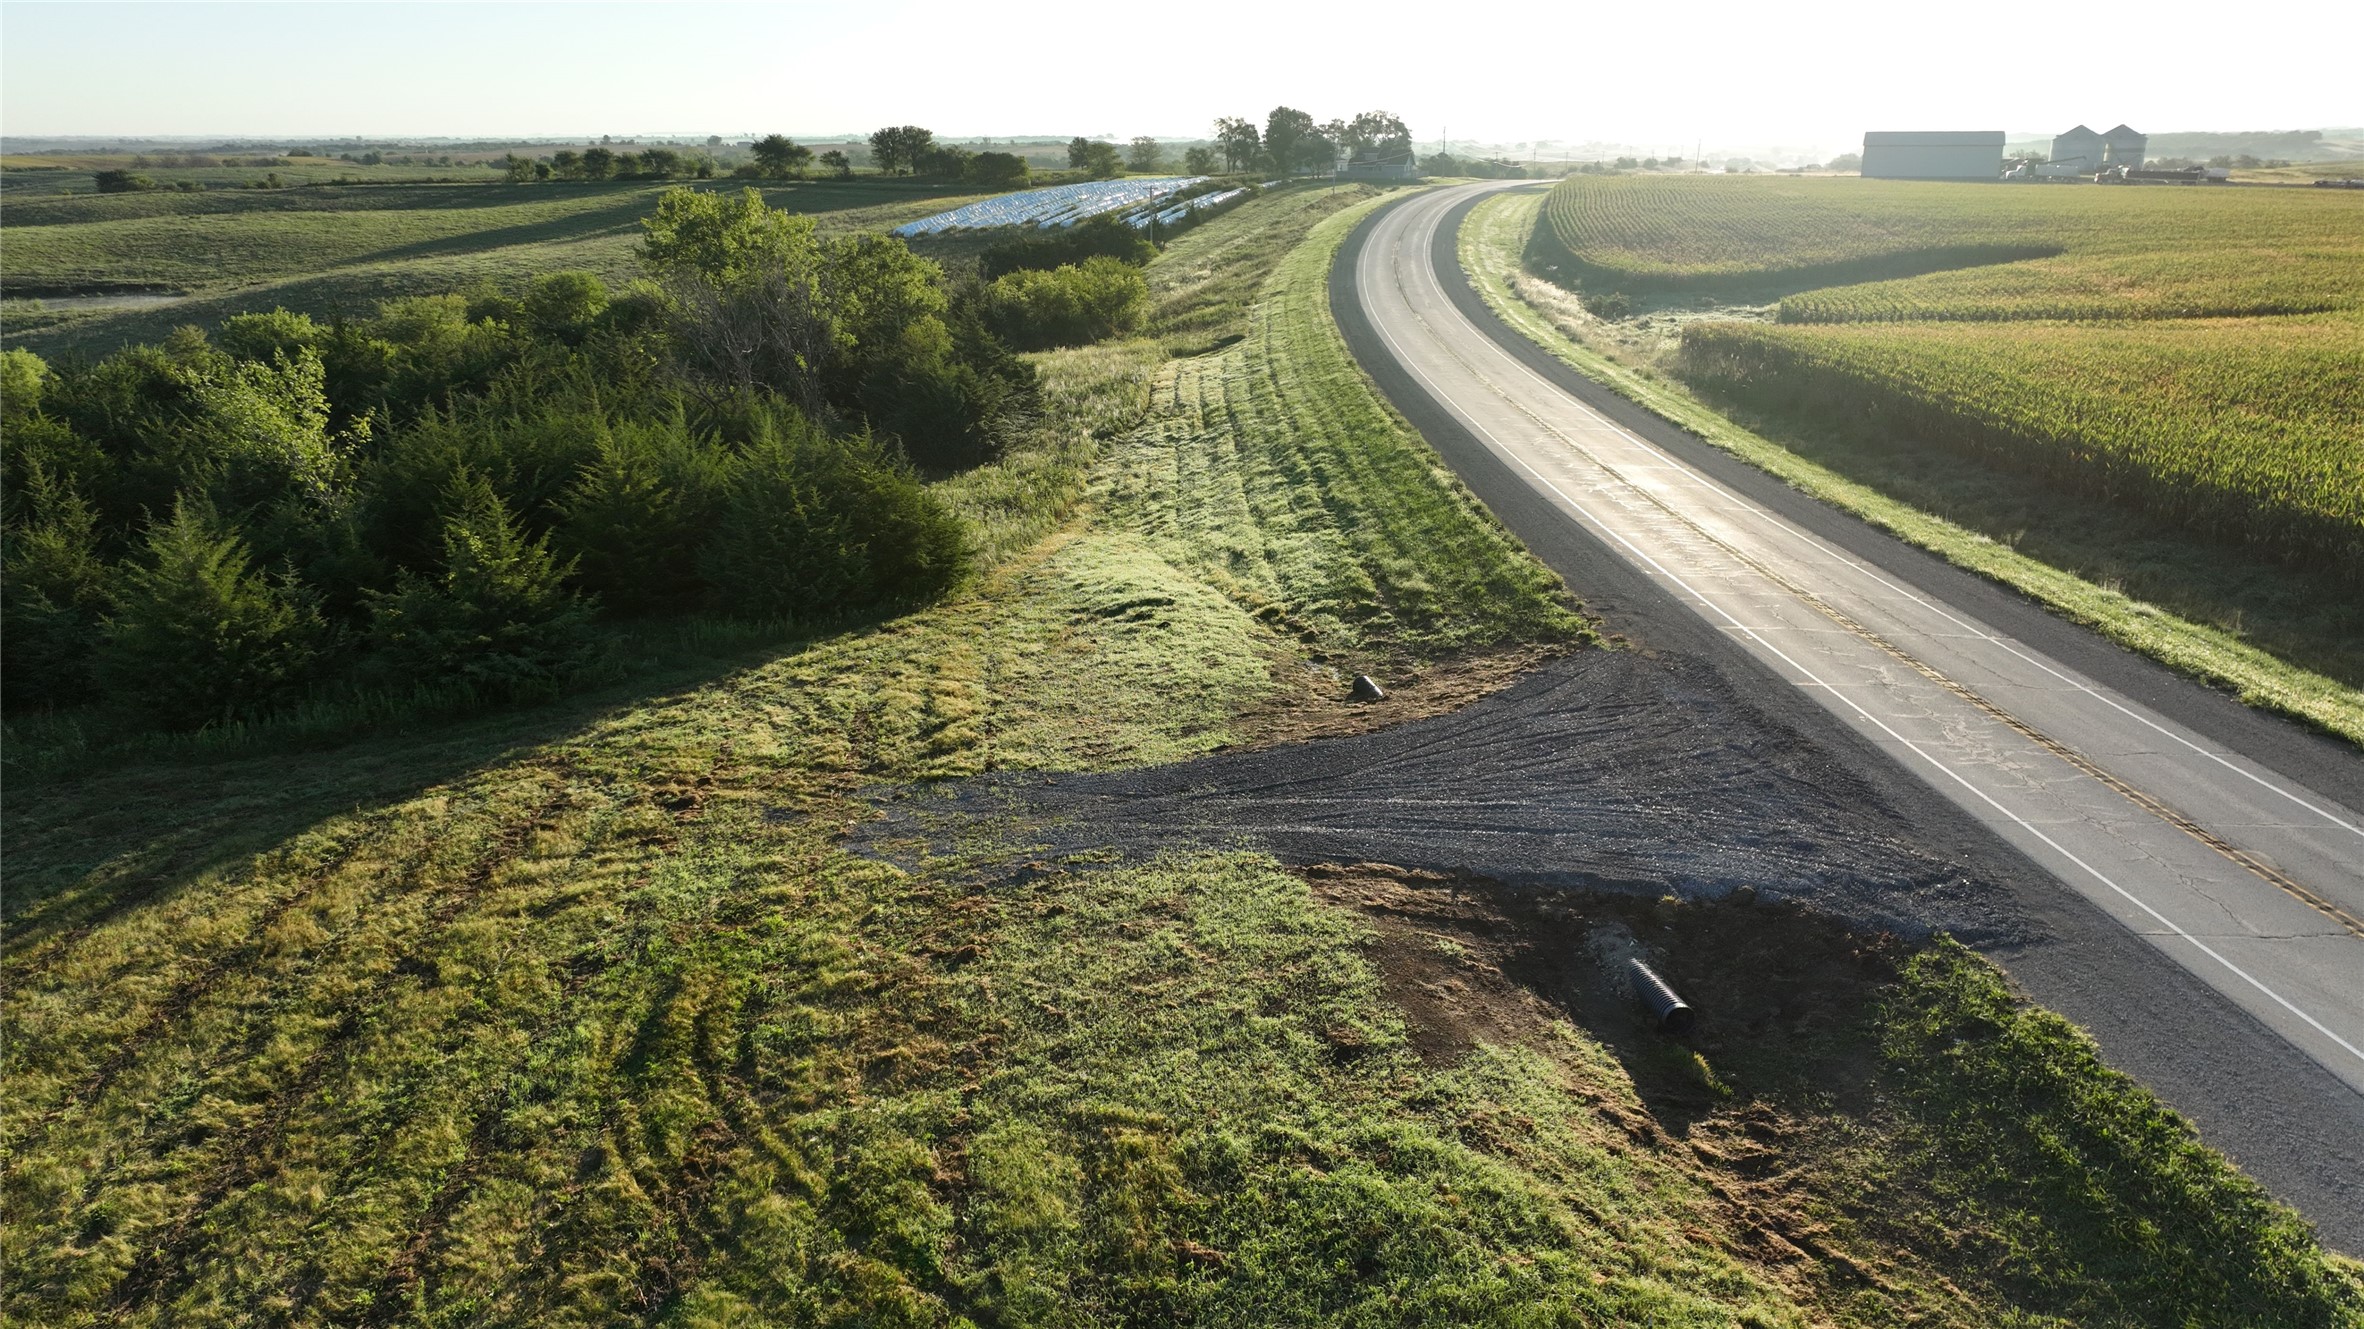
(1649, 73)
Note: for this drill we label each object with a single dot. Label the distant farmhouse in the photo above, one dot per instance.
(1975, 154)
(2090, 151)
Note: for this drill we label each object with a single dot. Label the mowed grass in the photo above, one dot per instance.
(593, 1015)
(332, 250)
(1271, 470)
(340, 1035)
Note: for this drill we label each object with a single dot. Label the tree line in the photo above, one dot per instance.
(455, 493)
(1289, 142)
(1293, 142)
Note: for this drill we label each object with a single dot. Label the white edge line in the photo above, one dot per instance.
(1816, 680)
(1781, 526)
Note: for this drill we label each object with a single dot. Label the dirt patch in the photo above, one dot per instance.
(1757, 1102)
(1604, 770)
(1313, 700)
(1783, 993)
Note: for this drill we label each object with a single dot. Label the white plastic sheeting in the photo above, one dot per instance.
(1183, 208)
(1059, 205)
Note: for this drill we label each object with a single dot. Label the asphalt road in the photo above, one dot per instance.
(2199, 870)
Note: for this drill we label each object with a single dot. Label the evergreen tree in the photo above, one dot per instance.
(53, 587)
(635, 516)
(499, 616)
(812, 525)
(197, 636)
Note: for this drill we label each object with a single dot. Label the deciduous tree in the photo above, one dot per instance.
(779, 156)
(998, 170)
(1285, 133)
(898, 148)
(1102, 161)
(1239, 140)
(1377, 136)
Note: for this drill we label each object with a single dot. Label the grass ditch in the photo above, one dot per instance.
(587, 1015)
(2273, 638)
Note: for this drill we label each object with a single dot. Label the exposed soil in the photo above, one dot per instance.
(1782, 1050)
(1781, 991)
(1314, 700)
(1602, 770)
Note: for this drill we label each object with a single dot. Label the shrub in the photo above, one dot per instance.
(811, 524)
(499, 616)
(1068, 306)
(1103, 235)
(121, 182)
(23, 376)
(1608, 304)
(53, 585)
(266, 336)
(197, 636)
(563, 306)
(997, 170)
(634, 517)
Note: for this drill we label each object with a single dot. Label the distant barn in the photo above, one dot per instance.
(1975, 154)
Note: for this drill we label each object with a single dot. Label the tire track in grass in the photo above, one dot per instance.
(168, 1266)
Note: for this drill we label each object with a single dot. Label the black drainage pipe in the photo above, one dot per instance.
(1673, 1014)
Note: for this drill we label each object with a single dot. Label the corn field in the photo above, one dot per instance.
(1948, 250)
(2248, 431)
(2197, 354)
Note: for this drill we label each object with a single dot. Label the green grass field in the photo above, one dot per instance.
(332, 249)
(591, 1015)
(25, 176)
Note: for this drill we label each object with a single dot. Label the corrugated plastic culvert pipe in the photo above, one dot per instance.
(1673, 1014)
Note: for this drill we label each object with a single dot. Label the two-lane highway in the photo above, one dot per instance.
(2238, 872)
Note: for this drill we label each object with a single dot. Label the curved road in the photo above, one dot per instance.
(2231, 845)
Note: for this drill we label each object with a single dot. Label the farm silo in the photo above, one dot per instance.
(2123, 147)
(1974, 154)
(2080, 146)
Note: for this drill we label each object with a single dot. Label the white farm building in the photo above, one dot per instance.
(1972, 154)
(2089, 152)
